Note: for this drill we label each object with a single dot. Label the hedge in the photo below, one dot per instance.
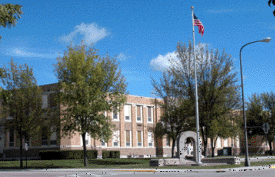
(110, 154)
(67, 154)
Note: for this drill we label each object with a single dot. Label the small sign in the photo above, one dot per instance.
(265, 128)
(26, 146)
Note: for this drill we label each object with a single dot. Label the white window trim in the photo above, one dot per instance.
(130, 139)
(139, 121)
(151, 139)
(117, 115)
(130, 118)
(141, 139)
(152, 114)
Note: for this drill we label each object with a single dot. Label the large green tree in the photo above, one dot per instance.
(218, 92)
(177, 116)
(260, 110)
(90, 85)
(21, 101)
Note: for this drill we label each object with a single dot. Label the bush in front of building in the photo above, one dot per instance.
(114, 154)
(110, 154)
(105, 154)
(69, 154)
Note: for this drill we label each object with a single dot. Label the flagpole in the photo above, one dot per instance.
(198, 154)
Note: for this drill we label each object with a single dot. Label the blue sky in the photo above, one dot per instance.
(142, 34)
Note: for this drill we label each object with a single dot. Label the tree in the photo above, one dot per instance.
(21, 108)
(218, 93)
(273, 2)
(176, 113)
(90, 86)
(261, 109)
(9, 14)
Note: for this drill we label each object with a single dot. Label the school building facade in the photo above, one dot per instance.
(133, 135)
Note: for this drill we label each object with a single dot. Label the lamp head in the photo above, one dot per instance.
(266, 39)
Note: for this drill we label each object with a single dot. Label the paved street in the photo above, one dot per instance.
(108, 173)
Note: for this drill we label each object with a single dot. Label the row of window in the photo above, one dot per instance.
(44, 137)
(139, 113)
(128, 139)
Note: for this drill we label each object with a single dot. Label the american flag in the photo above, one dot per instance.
(198, 23)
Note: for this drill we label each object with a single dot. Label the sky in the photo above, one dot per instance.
(142, 35)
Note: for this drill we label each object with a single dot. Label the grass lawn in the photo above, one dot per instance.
(110, 163)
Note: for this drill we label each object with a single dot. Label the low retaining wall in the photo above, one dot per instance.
(228, 160)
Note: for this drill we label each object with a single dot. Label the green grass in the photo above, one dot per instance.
(111, 163)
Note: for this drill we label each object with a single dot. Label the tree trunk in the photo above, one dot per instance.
(173, 148)
(21, 148)
(85, 151)
(213, 147)
(204, 140)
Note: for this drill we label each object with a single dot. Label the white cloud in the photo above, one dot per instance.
(162, 62)
(122, 57)
(221, 11)
(18, 52)
(91, 33)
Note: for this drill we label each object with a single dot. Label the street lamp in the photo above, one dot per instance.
(247, 163)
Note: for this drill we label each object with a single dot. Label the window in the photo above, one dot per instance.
(27, 138)
(139, 138)
(116, 138)
(11, 137)
(225, 143)
(167, 141)
(44, 101)
(139, 113)
(53, 136)
(53, 100)
(103, 143)
(115, 114)
(150, 114)
(218, 142)
(128, 138)
(127, 113)
(44, 141)
(150, 139)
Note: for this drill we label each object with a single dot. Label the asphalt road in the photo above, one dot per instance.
(112, 173)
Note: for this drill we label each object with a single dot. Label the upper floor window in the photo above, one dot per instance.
(44, 101)
(127, 113)
(139, 113)
(115, 114)
(52, 100)
(150, 114)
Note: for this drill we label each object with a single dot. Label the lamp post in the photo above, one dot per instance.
(247, 163)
